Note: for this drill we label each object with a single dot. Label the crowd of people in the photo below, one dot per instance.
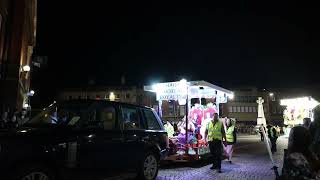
(245, 129)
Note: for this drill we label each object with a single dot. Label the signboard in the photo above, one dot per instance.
(171, 91)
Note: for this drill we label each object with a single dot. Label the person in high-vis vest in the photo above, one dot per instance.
(231, 139)
(214, 134)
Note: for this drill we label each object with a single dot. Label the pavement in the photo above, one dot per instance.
(250, 161)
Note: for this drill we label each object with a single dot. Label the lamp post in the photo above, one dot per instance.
(184, 87)
(28, 105)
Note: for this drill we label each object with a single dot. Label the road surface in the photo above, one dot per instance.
(251, 161)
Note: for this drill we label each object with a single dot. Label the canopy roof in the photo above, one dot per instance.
(194, 89)
(306, 102)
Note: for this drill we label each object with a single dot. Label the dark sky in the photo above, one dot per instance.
(227, 43)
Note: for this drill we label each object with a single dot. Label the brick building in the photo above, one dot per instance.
(18, 22)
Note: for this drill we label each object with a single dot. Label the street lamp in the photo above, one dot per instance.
(112, 97)
(31, 93)
(231, 96)
(184, 90)
(26, 68)
(271, 94)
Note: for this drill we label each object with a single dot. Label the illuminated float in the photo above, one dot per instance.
(296, 110)
(187, 138)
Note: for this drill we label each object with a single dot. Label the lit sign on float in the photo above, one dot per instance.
(171, 91)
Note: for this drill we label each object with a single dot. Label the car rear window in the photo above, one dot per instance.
(152, 121)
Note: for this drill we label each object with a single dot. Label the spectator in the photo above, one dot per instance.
(299, 161)
(261, 129)
(314, 129)
(273, 136)
(306, 122)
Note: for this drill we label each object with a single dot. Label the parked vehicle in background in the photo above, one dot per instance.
(85, 135)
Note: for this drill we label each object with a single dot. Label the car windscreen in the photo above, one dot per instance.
(62, 114)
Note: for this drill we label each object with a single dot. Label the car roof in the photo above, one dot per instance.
(109, 102)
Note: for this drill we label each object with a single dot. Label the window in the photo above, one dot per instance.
(67, 114)
(230, 108)
(238, 109)
(234, 109)
(250, 109)
(242, 109)
(107, 117)
(127, 96)
(246, 109)
(130, 118)
(254, 109)
(152, 121)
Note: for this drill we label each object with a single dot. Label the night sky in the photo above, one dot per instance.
(227, 43)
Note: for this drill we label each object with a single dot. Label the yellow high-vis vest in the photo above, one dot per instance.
(214, 132)
(229, 134)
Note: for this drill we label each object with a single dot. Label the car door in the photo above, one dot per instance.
(99, 137)
(110, 140)
(154, 129)
(133, 129)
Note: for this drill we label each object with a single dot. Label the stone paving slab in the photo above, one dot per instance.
(250, 162)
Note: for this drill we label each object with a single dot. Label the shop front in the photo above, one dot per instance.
(194, 104)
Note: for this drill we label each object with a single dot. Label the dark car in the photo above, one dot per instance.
(84, 135)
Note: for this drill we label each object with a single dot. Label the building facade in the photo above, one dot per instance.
(18, 22)
(126, 94)
(244, 106)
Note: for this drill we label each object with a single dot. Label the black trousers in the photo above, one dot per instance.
(216, 151)
(273, 144)
(261, 136)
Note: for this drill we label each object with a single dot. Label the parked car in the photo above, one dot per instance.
(85, 135)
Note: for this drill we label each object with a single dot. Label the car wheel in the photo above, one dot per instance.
(34, 173)
(149, 167)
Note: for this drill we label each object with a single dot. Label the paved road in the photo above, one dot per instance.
(251, 161)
